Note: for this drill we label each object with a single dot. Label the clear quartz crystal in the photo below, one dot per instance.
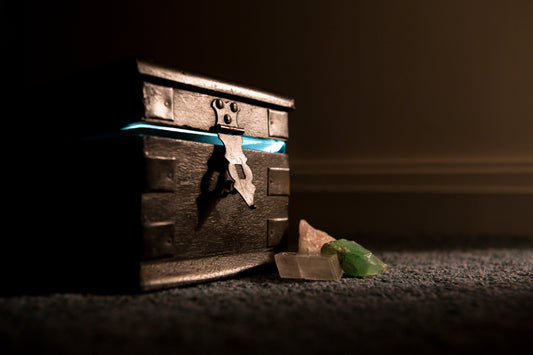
(308, 266)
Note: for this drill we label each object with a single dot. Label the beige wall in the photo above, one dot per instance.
(431, 99)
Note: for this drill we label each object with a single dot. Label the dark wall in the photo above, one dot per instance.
(373, 80)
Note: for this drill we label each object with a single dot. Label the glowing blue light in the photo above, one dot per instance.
(146, 129)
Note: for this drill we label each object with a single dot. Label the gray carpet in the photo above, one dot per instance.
(448, 301)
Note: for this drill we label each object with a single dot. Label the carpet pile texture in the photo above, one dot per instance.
(428, 301)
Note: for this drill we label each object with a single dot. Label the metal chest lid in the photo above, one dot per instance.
(176, 98)
(213, 85)
(100, 101)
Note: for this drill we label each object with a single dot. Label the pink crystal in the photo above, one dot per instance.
(311, 239)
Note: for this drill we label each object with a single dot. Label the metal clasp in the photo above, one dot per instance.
(230, 134)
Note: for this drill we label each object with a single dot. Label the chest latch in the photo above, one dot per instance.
(230, 134)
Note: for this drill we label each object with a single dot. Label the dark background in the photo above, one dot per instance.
(445, 84)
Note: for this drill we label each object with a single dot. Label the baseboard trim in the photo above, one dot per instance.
(460, 176)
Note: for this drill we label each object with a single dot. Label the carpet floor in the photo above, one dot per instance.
(446, 301)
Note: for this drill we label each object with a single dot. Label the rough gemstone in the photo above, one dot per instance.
(354, 259)
(311, 239)
(309, 267)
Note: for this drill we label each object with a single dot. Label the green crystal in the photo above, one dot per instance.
(355, 260)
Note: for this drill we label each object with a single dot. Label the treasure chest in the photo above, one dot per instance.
(169, 178)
